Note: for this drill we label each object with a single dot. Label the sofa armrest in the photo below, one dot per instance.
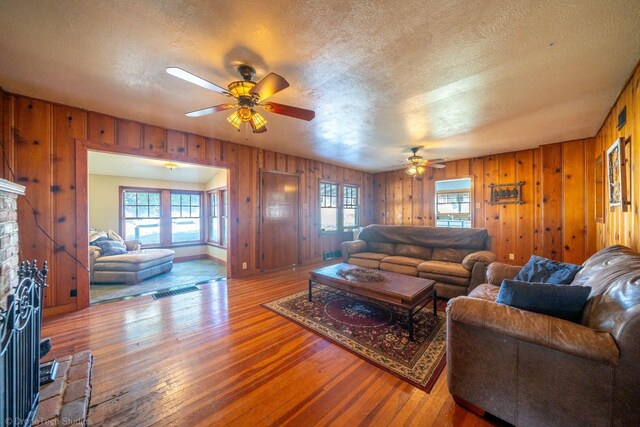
(562, 335)
(498, 271)
(132, 245)
(94, 254)
(352, 247)
(481, 256)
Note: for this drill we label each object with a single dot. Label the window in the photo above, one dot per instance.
(453, 203)
(338, 213)
(350, 207)
(185, 217)
(218, 216)
(328, 207)
(161, 217)
(142, 216)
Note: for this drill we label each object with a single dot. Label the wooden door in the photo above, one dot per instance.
(280, 210)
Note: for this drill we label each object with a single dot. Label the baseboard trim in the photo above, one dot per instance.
(199, 256)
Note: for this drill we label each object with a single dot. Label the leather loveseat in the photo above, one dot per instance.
(532, 369)
(456, 258)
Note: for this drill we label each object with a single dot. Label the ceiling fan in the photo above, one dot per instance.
(248, 95)
(417, 164)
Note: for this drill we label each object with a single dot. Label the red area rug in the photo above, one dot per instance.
(374, 331)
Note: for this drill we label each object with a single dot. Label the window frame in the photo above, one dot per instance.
(200, 216)
(123, 217)
(356, 206)
(222, 196)
(436, 204)
(165, 215)
(340, 196)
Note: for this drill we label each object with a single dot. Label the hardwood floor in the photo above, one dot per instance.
(216, 357)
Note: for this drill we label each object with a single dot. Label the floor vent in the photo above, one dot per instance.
(173, 292)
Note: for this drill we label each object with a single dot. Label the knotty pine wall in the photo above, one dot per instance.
(621, 227)
(41, 140)
(553, 221)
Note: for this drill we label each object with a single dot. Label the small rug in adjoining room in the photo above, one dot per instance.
(374, 331)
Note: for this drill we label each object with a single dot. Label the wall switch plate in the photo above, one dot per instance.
(512, 256)
(244, 265)
(477, 205)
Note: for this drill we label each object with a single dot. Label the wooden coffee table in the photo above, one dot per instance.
(407, 292)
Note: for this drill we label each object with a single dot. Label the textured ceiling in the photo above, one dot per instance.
(457, 78)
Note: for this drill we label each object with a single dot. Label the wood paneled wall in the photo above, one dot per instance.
(552, 222)
(621, 227)
(40, 141)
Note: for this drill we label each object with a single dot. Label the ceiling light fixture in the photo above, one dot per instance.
(258, 120)
(415, 163)
(414, 170)
(235, 120)
(171, 165)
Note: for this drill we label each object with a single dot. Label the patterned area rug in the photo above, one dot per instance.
(375, 331)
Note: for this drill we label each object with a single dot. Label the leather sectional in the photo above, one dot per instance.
(456, 258)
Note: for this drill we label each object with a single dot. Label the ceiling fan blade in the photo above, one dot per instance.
(270, 84)
(192, 78)
(434, 165)
(288, 110)
(253, 127)
(210, 110)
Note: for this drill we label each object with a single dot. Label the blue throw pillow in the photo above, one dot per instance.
(111, 247)
(543, 270)
(564, 302)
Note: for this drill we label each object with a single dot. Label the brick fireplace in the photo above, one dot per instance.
(9, 242)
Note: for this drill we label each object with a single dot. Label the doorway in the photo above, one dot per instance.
(279, 219)
(158, 205)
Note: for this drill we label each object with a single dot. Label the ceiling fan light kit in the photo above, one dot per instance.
(414, 170)
(418, 165)
(249, 95)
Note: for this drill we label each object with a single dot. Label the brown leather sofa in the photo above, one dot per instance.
(531, 369)
(456, 258)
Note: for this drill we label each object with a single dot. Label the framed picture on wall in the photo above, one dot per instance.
(616, 174)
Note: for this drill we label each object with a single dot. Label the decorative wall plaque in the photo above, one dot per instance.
(506, 194)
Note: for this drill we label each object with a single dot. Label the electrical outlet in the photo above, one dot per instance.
(477, 205)
(244, 265)
(512, 256)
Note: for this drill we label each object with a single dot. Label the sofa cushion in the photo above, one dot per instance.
(381, 247)
(612, 274)
(450, 254)
(95, 234)
(111, 247)
(114, 236)
(444, 268)
(543, 270)
(453, 280)
(564, 302)
(485, 291)
(134, 261)
(369, 255)
(363, 262)
(407, 270)
(403, 260)
(413, 251)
